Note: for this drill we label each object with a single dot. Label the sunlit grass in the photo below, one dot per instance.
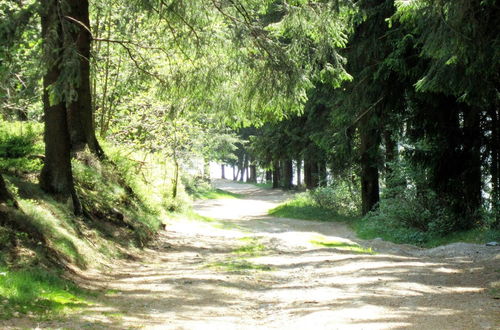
(217, 194)
(253, 248)
(324, 242)
(38, 292)
(302, 207)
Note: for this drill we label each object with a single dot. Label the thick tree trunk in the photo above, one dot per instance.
(369, 149)
(287, 174)
(80, 112)
(269, 176)
(253, 174)
(311, 174)
(56, 177)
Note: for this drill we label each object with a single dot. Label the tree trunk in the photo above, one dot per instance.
(244, 166)
(287, 174)
(269, 176)
(299, 174)
(56, 176)
(276, 174)
(253, 174)
(223, 171)
(80, 114)
(369, 149)
(175, 182)
(235, 174)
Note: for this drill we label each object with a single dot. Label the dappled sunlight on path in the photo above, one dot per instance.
(246, 270)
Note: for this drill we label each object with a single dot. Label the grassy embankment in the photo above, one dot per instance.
(42, 239)
(302, 206)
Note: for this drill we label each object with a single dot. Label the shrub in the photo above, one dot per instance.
(340, 197)
(17, 142)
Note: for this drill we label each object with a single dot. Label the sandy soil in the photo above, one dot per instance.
(179, 283)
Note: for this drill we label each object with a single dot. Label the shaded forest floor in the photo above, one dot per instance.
(239, 268)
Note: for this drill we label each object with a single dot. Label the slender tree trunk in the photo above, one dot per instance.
(307, 174)
(235, 175)
(323, 174)
(244, 167)
(299, 174)
(56, 176)
(175, 183)
(276, 174)
(80, 114)
(223, 171)
(369, 148)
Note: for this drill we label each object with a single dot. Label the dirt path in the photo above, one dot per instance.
(251, 271)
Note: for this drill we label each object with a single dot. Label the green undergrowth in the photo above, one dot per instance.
(38, 293)
(126, 198)
(304, 207)
(20, 147)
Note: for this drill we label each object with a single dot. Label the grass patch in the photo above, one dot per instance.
(304, 208)
(216, 194)
(38, 292)
(370, 228)
(323, 242)
(252, 249)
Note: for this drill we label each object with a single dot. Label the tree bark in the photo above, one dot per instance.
(369, 149)
(253, 174)
(223, 171)
(299, 174)
(276, 174)
(56, 176)
(80, 112)
(287, 174)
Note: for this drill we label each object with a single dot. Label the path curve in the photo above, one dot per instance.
(195, 277)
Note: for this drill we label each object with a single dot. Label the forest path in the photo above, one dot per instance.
(247, 270)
